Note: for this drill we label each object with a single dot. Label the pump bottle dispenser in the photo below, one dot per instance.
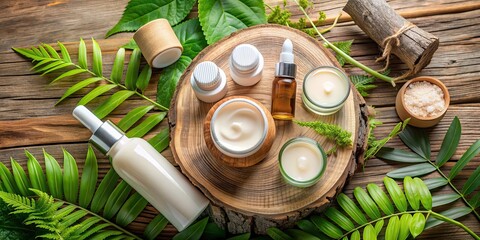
(146, 170)
(284, 86)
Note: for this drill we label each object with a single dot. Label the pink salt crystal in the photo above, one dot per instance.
(424, 99)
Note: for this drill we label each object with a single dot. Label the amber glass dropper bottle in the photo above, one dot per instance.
(284, 87)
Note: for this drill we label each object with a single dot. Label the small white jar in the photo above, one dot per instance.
(246, 65)
(209, 82)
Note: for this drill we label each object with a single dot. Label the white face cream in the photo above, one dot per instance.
(325, 90)
(302, 162)
(238, 127)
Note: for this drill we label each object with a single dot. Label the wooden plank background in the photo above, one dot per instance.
(29, 120)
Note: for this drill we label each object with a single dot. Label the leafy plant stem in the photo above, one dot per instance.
(455, 189)
(332, 26)
(159, 106)
(346, 56)
(103, 219)
(428, 212)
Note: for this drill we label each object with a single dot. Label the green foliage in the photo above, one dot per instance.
(345, 47)
(135, 82)
(340, 136)
(281, 15)
(139, 12)
(11, 226)
(220, 18)
(375, 145)
(191, 37)
(363, 83)
(110, 200)
(421, 163)
(361, 216)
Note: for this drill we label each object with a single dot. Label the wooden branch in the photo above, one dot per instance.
(379, 21)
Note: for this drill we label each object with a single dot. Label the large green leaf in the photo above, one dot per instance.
(139, 12)
(54, 176)
(277, 234)
(131, 209)
(405, 221)
(369, 233)
(20, 178)
(12, 227)
(193, 232)
(220, 18)
(411, 192)
(417, 140)
(106, 187)
(308, 227)
(472, 183)
(89, 178)
(471, 152)
(161, 140)
(396, 194)
(191, 37)
(417, 224)
(116, 199)
(70, 177)
(112, 102)
(412, 170)
(450, 142)
(433, 183)
(144, 127)
(340, 219)
(380, 198)
(327, 227)
(399, 155)
(133, 116)
(155, 227)
(351, 209)
(367, 203)
(132, 70)
(393, 228)
(35, 172)
(443, 199)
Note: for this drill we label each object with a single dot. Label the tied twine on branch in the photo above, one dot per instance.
(389, 42)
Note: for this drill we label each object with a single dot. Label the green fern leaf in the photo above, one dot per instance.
(193, 232)
(29, 53)
(116, 199)
(144, 127)
(52, 52)
(339, 218)
(82, 54)
(144, 78)
(77, 87)
(369, 233)
(131, 209)
(69, 74)
(133, 116)
(70, 177)
(89, 178)
(351, 209)
(473, 182)
(367, 204)
(95, 93)
(59, 66)
(64, 51)
(117, 69)
(345, 46)
(471, 152)
(277, 234)
(7, 179)
(20, 178)
(37, 177)
(380, 198)
(161, 140)
(327, 227)
(44, 52)
(132, 69)
(155, 227)
(97, 59)
(396, 194)
(104, 190)
(112, 102)
(54, 175)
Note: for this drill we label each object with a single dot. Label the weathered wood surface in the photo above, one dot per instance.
(26, 99)
(250, 201)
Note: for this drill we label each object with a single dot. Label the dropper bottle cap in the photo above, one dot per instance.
(105, 134)
(286, 67)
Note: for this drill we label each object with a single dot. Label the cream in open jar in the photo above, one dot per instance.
(302, 161)
(239, 127)
(325, 90)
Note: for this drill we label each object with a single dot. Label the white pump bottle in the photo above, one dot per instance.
(146, 170)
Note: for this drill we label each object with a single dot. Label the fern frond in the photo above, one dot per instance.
(413, 205)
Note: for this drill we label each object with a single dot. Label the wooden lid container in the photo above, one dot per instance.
(418, 121)
(258, 154)
(158, 43)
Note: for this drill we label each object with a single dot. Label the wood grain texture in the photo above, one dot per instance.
(26, 96)
(247, 193)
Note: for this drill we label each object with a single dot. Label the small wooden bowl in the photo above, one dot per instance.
(417, 121)
(244, 161)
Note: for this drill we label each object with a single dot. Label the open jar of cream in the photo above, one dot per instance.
(325, 90)
(302, 161)
(239, 131)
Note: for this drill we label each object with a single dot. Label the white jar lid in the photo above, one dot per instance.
(245, 57)
(207, 75)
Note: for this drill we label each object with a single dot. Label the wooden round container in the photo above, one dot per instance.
(417, 121)
(244, 161)
(255, 198)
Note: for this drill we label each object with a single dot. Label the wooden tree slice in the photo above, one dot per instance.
(255, 198)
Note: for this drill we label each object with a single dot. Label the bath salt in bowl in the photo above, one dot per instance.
(424, 100)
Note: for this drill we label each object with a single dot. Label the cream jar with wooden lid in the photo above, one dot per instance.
(424, 100)
(239, 131)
